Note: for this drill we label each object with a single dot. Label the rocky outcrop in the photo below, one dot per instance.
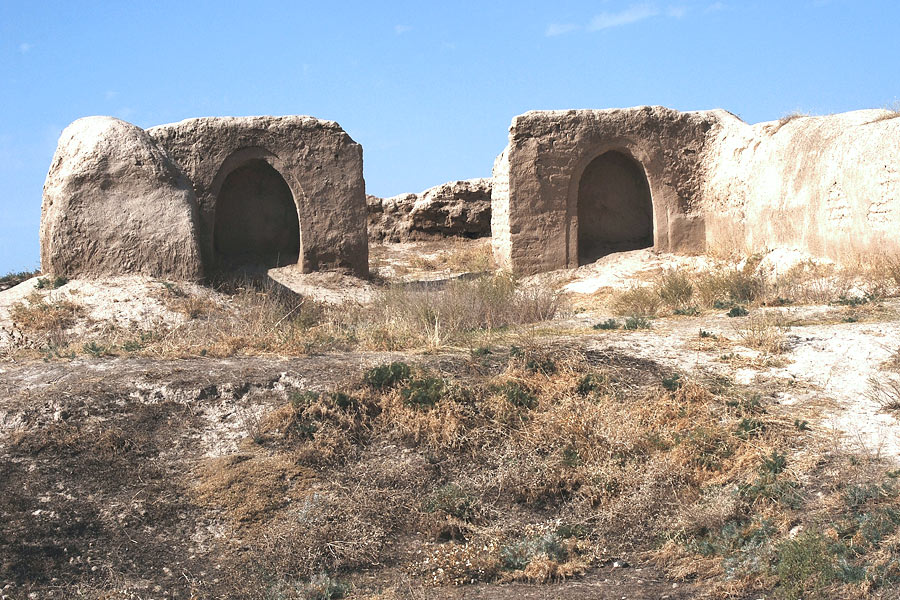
(458, 208)
(114, 203)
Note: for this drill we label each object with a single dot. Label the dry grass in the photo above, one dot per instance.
(729, 285)
(471, 259)
(885, 391)
(765, 333)
(466, 257)
(675, 288)
(252, 318)
(541, 468)
(776, 127)
(39, 312)
(250, 485)
(448, 256)
(893, 111)
(864, 279)
(15, 278)
(637, 301)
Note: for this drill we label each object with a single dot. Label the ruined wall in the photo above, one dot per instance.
(453, 209)
(824, 185)
(320, 163)
(114, 203)
(536, 179)
(829, 186)
(119, 199)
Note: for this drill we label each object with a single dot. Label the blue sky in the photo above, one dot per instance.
(427, 88)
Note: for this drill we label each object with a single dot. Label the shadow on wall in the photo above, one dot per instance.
(615, 210)
(256, 222)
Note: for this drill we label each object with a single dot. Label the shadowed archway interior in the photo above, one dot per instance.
(615, 211)
(256, 220)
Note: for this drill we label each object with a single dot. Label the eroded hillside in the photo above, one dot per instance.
(648, 426)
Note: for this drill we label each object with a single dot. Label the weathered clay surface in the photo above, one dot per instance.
(458, 208)
(120, 200)
(320, 163)
(114, 203)
(536, 179)
(827, 186)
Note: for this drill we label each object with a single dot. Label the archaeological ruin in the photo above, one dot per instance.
(189, 198)
(186, 199)
(573, 186)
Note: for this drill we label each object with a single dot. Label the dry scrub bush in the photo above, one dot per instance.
(729, 285)
(471, 258)
(637, 301)
(12, 279)
(893, 111)
(42, 313)
(809, 282)
(527, 474)
(406, 316)
(885, 391)
(265, 318)
(254, 318)
(675, 288)
(775, 127)
(765, 333)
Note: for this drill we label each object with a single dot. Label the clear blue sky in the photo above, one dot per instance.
(427, 88)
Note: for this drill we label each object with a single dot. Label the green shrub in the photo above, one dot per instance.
(387, 376)
(95, 349)
(749, 427)
(131, 346)
(707, 447)
(342, 400)
(722, 304)
(853, 300)
(517, 395)
(423, 392)
(769, 487)
(773, 464)
(453, 500)
(324, 587)
(516, 555)
(633, 323)
(589, 383)
(543, 365)
(803, 566)
(50, 284)
(738, 311)
(672, 382)
(300, 400)
(607, 324)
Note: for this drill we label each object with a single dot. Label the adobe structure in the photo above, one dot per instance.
(181, 200)
(573, 186)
